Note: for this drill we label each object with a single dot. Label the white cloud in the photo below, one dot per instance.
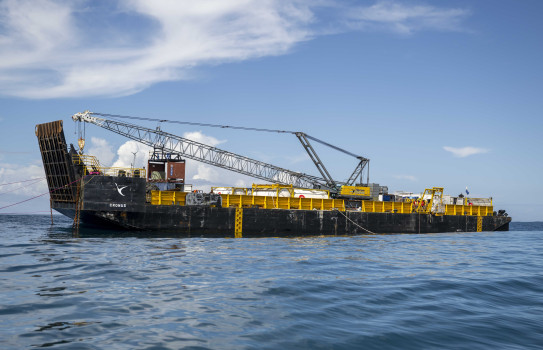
(102, 150)
(462, 152)
(202, 138)
(49, 50)
(62, 48)
(200, 172)
(205, 172)
(406, 19)
(132, 154)
(10, 173)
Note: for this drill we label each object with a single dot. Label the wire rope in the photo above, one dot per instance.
(40, 195)
(194, 123)
(18, 182)
(18, 188)
(229, 127)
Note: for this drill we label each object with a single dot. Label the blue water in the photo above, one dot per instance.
(108, 291)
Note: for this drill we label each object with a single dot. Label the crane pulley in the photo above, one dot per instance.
(174, 144)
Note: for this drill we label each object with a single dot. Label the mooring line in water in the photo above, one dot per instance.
(357, 225)
(40, 195)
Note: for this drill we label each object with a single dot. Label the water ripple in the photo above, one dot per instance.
(122, 291)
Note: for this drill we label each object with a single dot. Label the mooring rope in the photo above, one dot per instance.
(18, 182)
(357, 225)
(18, 188)
(40, 195)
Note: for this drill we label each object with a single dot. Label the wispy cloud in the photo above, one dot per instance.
(62, 48)
(462, 152)
(407, 19)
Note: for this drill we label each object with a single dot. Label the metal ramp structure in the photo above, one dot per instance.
(57, 162)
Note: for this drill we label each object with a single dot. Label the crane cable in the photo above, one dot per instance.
(194, 123)
(229, 127)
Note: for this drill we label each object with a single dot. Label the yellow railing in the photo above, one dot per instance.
(477, 210)
(386, 207)
(268, 202)
(93, 167)
(85, 159)
(168, 197)
(116, 171)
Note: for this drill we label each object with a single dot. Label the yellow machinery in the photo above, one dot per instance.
(276, 190)
(355, 191)
(431, 201)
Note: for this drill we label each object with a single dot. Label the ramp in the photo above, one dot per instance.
(57, 162)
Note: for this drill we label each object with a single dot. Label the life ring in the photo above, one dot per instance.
(301, 196)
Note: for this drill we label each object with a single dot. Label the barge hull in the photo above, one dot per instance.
(255, 222)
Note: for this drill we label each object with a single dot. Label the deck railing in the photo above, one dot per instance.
(93, 167)
(269, 202)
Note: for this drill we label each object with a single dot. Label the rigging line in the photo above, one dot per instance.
(40, 195)
(346, 217)
(18, 188)
(334, 147)
(26, 212)
(195, 124)
(230, 127)
(18, 182)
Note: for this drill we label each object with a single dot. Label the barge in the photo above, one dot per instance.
(147, 200)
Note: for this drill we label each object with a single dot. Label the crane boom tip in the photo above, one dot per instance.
(82, 116)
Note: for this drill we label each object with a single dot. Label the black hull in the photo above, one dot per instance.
(221, 222)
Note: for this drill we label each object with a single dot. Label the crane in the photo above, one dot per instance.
(173, 144)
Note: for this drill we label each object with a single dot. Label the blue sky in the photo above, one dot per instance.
(435, 93)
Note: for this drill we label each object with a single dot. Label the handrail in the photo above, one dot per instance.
(93, 167)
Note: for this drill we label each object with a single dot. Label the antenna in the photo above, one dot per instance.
(133, 165)
(134, 160)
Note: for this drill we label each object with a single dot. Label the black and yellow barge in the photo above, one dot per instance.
(122, 199)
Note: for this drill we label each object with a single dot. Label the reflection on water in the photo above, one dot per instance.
(102, 289)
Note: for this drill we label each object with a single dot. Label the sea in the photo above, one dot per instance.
(62, 289)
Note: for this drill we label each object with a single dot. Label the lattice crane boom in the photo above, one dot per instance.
(170, 143)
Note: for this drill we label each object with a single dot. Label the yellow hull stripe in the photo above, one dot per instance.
(238, 223)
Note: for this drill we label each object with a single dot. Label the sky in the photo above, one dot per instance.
(434, 93)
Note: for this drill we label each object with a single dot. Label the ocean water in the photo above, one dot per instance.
(104, 290)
